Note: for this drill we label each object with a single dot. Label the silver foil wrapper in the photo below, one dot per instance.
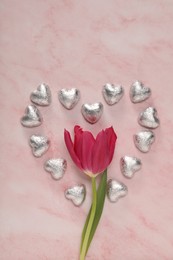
(129, 165)
(42, 95)
(39, 145)
(56, 167)
(138, 92)
(143, 140)
(76, 194)
(116, 190)
(32, 117)
(112, 93)
(92, 112)
(69, 97)
(148, 118)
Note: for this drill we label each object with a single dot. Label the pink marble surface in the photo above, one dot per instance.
(85, 44)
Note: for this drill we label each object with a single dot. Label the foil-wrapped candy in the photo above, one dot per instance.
(92, 112)
(69, 97)
(39, 145)
(138, 92)
(56, 167)
(148, 118)
(76, 194)
(42, 95)
(129, 165)
(116, 190)
(112, 93)
(143, 140)
(32, 117)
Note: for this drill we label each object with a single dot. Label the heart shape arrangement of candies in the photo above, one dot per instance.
(112, 94)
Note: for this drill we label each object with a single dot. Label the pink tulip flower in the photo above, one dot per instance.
(91, 155)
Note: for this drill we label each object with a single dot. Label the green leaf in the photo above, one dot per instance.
(84, 228)
(101, 192)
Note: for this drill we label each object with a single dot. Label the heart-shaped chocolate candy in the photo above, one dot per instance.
(138, 92)
(32, 117)
(129, 165)
(56, 166)
(69, 97)
(143, 140)
(116, 190)
(76, 194)
(148, 118)
(112, 93)
(42, 95)
(39, 144)
(92, 112)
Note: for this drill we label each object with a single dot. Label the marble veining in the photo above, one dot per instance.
(84, 44)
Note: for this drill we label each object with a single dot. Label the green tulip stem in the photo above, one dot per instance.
(90, 222)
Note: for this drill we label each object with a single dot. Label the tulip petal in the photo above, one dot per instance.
(100, 153)
(77, 129)
(70, 148)
(87, 145)
(90, 155)
(78, 141)
(111, 139)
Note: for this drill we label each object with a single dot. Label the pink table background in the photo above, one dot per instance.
(85, 44)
